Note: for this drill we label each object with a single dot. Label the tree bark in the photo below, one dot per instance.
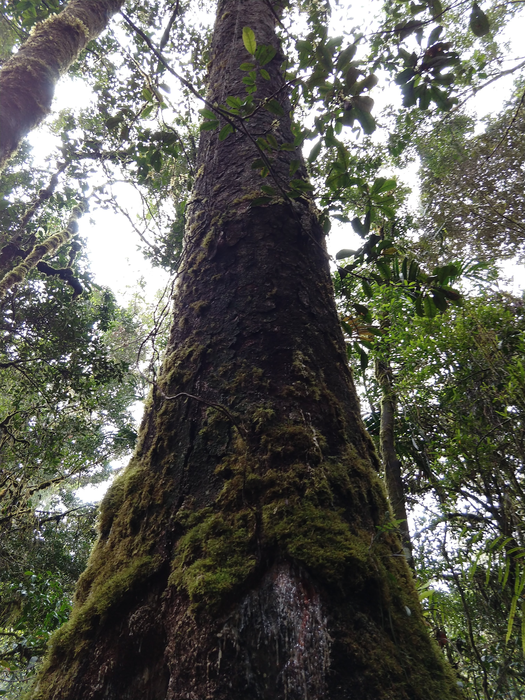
(28, 79)
(241, 554)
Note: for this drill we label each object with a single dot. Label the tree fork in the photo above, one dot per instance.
(243, 554)
(28, 79)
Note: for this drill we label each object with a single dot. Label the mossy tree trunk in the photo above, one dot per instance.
(28, 79)
(241, 554)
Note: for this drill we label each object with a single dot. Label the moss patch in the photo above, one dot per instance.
(72, 640)
(321, 540)
(291, 511)
(214, 556)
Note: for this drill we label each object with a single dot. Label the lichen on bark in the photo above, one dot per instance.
(253, 499)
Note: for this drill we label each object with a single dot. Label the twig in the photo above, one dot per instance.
(218, 406)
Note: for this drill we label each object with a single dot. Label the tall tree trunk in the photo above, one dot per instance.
(28, 79)
(391, 463)
(241, 554)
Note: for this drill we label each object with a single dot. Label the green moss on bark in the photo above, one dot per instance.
(214, 557)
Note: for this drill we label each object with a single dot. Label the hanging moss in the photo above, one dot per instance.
(47, 247)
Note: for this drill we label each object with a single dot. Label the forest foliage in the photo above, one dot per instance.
(430, 331)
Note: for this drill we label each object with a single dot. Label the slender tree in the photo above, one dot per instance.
(28, 79)
(246, 552)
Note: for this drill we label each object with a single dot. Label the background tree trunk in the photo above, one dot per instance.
(391, 463)
(241, 554)
(28, 79)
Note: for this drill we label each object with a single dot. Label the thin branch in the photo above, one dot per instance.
(212, 404)
(502, 74)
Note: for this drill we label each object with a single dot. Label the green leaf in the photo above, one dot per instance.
(268, 190)
(314, 153)
(248, 39)
(424, 99)
(381, 184)
(416, 9)
(440, 98)
(113, 122)
(367, 121)
(264, 74)
(264, 54)
(294, 167)
(352, 75)
(247, 66)
(367, 289)
(364, 359)
(147, 94)
(405, 75)
(209, 126)
(358, 227)
(434, 35)
(270, 138)
(413, 270)
(436, 8)
(439, 300)
(274, 107)
(407, 28)
(361, 309)
(384, 269)
(156, 161)
(409, 95)
(345, 57)
(429, 307)
(344, 253)
(512, 614)
(479, 22)
(226, 130)
(301, 185)
(207, 113)
(362, 103)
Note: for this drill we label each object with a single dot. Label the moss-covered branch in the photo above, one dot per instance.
(47, 247)
(28, 79)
